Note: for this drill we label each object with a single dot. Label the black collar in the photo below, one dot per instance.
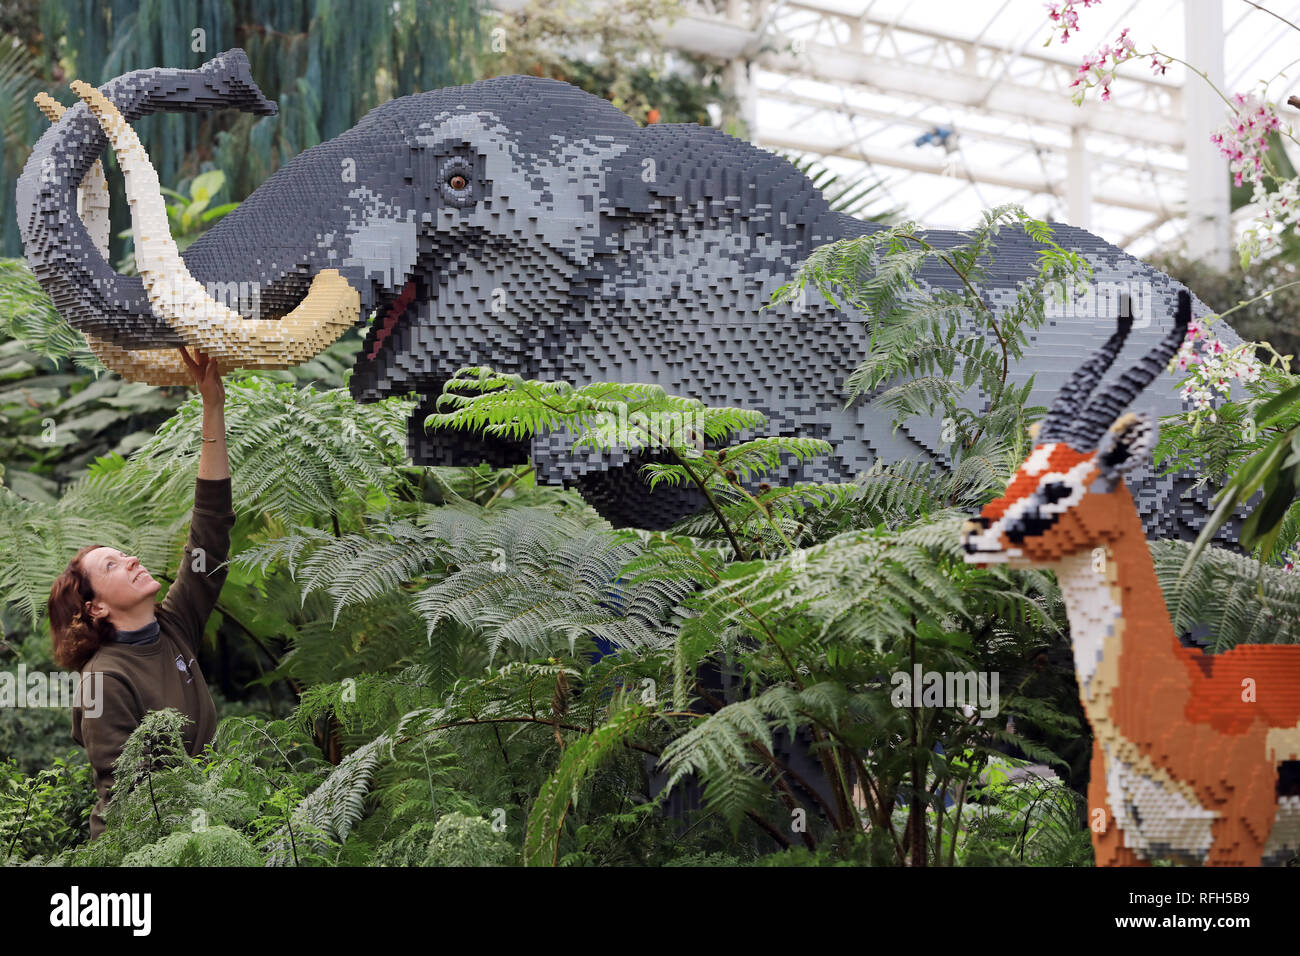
(141, 635)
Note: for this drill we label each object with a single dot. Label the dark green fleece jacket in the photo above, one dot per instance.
(141, 673)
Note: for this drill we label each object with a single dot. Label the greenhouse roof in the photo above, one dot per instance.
(958, 105)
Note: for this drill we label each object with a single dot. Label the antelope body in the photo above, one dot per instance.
(1195, 755)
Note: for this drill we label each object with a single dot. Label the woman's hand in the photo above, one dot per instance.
(207, 376)
(214, 461)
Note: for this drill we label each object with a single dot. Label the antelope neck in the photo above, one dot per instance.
(1119, 626)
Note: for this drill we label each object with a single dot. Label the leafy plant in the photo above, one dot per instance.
(188, 215)
(213, 846)
(1254, 450)
(45, 813)
(857, 197)
(461, 840)
(485, 672)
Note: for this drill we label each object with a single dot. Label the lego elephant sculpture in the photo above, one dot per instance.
(523, 224)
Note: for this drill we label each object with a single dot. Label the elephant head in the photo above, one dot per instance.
(481, 225)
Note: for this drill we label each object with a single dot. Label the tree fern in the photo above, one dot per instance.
(563, 787)
(461, 840)
(1228, 594)
(331, 810)
(929, 348)
(28, 315)
(211, 846)
(335, 446)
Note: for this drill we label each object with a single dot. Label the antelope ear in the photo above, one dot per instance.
(1126, 444)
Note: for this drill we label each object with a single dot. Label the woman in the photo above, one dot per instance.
(104, 620)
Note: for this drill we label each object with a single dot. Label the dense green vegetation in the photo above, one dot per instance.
(456, 666)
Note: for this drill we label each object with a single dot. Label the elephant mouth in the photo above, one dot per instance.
(390, 315)
(377, 371)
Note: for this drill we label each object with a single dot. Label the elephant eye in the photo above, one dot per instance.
(456, 179)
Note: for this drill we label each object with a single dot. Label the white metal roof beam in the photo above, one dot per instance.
(966, 132)
(992, 177)
(705, 32)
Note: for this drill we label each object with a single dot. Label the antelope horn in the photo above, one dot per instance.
(1061, 422)
(1106, 407)
(330, 308)
(151, 366)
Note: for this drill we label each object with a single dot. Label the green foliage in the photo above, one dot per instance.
(33, 736)
(168, 806)
(636, 416)
(214, 846)
(343, 454)
(526, 577)
(28, 316)
(55, 421)
(19, 115)
(326, 66)
(941, 353)
(486, 673)
(338, 449)
(460, 840)
(941, 343)
(510, 406)
(546, 821)
(1253, 448)
(707, 859)
(45, 813)
(1234, 598)
(1030, 821)
(1269, 289)
(330, 811)
(857, 197)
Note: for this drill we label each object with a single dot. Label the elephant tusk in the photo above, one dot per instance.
(331, 307)
(150, 366)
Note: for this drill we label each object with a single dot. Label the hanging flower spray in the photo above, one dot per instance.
(1210, 366)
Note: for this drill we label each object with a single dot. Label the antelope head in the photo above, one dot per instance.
(1069, 495)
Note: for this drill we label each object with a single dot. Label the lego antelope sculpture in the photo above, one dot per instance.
(1195, 755)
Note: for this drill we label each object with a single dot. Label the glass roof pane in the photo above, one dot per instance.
(1005, 146)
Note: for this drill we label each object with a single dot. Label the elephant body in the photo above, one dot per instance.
(523, 224)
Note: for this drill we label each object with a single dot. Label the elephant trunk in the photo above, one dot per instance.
(67, 263)
(329, 308)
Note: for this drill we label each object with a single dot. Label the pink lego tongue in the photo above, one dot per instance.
(394, 313)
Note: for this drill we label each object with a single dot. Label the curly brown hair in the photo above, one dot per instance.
(75, 634)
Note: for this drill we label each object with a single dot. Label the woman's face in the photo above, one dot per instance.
(120, 581)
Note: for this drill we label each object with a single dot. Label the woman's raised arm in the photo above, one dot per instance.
(203, 568)
(213, 460)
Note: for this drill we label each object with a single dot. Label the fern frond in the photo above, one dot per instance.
(336, 806)
(1233, 596)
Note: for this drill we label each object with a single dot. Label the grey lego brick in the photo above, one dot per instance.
(585, 248)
